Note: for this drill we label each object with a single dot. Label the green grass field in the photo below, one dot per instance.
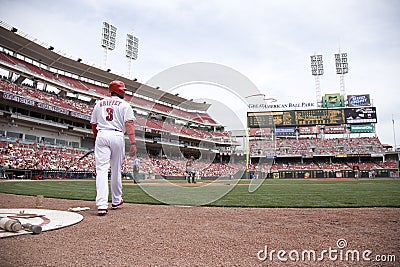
(272, 193)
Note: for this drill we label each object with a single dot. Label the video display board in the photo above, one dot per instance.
(360, 115)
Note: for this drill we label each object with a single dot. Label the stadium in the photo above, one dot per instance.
(46, 100)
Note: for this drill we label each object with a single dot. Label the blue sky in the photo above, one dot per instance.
(270, 42)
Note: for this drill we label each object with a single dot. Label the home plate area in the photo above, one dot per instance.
(47, 219)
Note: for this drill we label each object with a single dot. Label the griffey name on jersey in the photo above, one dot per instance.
(112, 102)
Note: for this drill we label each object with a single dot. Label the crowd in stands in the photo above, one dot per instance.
(321, 165)
(176, 166)
(47, 97)
(82, 107)
(17, 155)
(316, 146)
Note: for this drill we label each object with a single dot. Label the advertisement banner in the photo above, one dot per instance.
(52, 108)
(362, 128)
(259, 131)
(285, 131)
(20, 99)
(309, 129)
(335, 129)
(42, 105)
(358, 100)
(332, 101)
(360, 115)
(80, 115)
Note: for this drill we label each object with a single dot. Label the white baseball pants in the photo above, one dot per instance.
(109, 151)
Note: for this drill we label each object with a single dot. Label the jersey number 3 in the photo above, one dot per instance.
(109, 116)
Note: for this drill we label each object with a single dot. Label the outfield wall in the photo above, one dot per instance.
(33, 174)
(290, 174)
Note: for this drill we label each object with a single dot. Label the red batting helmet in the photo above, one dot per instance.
(117, 87)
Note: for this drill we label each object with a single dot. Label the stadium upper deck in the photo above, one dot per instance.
(73, 85)
(61, 117)
(15, 41)
(21, 55)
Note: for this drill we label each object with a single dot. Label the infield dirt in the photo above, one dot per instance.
(160, 235)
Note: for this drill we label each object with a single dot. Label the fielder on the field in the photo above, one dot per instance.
(136, 167)
(190, 172)
(111, 118)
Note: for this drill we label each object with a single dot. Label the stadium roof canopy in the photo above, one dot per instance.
(27, 46)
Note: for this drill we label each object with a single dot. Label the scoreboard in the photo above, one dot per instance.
(319, 117)
(260, 120)
(311, 117)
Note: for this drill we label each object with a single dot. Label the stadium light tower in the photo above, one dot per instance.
(108, 37)
(394, 135)
(131, 51)
(317, 69)
(342, 68)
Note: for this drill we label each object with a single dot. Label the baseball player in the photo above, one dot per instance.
(111, 118)
(190, 170)
(136, 167)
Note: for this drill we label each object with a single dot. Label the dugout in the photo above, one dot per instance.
(35, 174)
(55, 174)
(8, 173)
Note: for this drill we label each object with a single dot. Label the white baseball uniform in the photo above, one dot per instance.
(110, 115)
